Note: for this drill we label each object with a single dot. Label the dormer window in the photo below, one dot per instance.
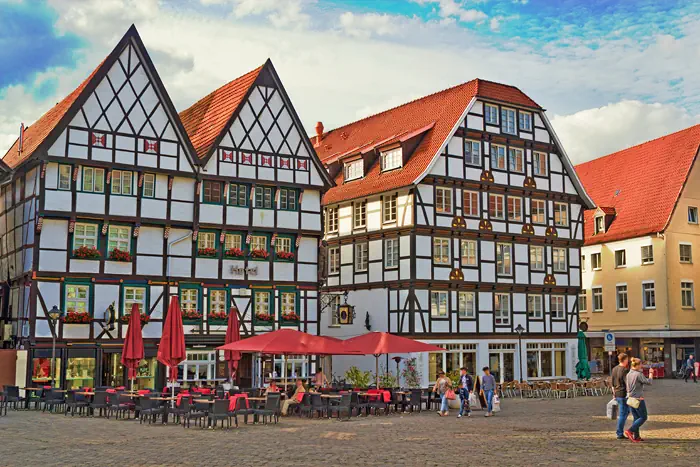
(392, 159)
(599, 226)
(354, 170)
(525, 121)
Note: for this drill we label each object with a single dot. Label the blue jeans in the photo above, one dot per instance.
(464, 401)
(443, 405)
(624, 412)
(489, 399)
(640, 416)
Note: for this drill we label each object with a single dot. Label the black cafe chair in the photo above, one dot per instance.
(356, 403)
(74, 404)
(219, 411)
(271, 409)
(13, 397)
(99, 401)
(241, 409)
(343, 406)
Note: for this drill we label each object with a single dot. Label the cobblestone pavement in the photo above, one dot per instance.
(526, 432)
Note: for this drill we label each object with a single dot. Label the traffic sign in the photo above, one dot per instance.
(609, 342)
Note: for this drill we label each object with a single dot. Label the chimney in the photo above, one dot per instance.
(319, 133)
(21, 138)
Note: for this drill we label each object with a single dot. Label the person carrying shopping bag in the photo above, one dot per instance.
(443, 387)
(466, 386)
(488, 387)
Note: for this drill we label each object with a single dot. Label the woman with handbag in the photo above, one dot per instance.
(443, 387)
(635, 399)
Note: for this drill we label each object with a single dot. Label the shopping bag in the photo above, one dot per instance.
(611, 409)
(496, 403)
(450, 395)
(474, 401)
(633, 402)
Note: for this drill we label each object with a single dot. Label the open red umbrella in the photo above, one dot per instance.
(232, 335)
(133, 352)
(380, 343)
(171, 350)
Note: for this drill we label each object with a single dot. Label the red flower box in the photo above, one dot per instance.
(211, 252)
(264, 317)
(145, 319)
(235, 253)
(285, 255)
(87, 252)
(191, 314)
(291, 316)
(259, 254)
(76, 317)
(120, 255)
(218, 316)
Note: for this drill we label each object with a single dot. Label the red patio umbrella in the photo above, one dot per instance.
(232, 335)
(133, 352)
(380, 343)
(171, 350)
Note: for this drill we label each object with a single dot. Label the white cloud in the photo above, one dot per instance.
(593, 133)
(281, 13)
(452, 9)
(366, 25)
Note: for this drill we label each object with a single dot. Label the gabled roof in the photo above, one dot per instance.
(642, 184)
(44, 131)
(440, 113)
(205, 120)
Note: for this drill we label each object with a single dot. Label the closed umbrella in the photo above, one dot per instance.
(171, 350)
(583, 370)
(133, 353)
(380, 343)
(233, 334)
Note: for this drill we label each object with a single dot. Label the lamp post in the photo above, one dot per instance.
(520, 329)
(54, 315)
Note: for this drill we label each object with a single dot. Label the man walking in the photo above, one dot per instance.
(488, 386)
(690, 369)
(619, 377)
(466, 386)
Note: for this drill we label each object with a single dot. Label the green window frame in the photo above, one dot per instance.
(288, 199)
(191, 300)
(264, 197)
(234, 240)
(255, 239)
(85, 234)
(149, 185)
(77, 296)
(134, 293)
(208, 239)
(93, 180)
(263, 302)
(119, 236)
(212, 192)
(65, 177)
(238, 194)
(289, 301)
(285, 243)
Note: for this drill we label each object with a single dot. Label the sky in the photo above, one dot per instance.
(611, 73)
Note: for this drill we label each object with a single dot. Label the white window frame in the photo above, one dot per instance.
(524, 120)
(647, 258)
(621, 295)
(515, 209)
(334, 260)
(496, 213)
(361, 256)
(359, 218)
(687, 287)
(263, 197)
(491, 115)
(288, 199)
(509, 123)
(504, 259)
(192, 361)
(469, 255)
(501, 307)
(122, 182)
(65, 177)
(80, 302)
(333, 305)
(648, 295)
(498, 156)
(262, 302)
(187, 302)
(354, 170)
(149, 185)
(537, 256)
(441, 250)
(119, 236)
(622, 257)
(692, 215)
(82, 238)
(206, 240)
(583, 302)
(557, 306)
(472, 152)
(596, 261)
(258, 242)
(134, 294)
(217, 301)
(466, 305)
(559, 259)
(96, 174)
(392, 159)
(439, 304)
(391, 250)
(538, 211)
(283, 245)
(539, 164)
(474, 209)
(685, 258)
(288, 303)
(597, 295)
(516, 157)
(233, 241)
(534, 306)
(561, 214)
(332, 220)
(598, 225)
(390, 209)
(443, 200)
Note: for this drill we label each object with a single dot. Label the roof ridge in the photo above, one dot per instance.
(401, 105)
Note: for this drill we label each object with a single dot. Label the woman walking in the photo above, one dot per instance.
(442, 385)
(635, 399)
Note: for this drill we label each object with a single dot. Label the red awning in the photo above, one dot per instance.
(290, 342)
(379, 343)
(233, 334)
(171, 350)
(133, 351)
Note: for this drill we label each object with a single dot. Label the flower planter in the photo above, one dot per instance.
(284, 256)
(289, 319)
(76, 318)
(120, 256)
(191, 317)
(85, 252)
(259, 255)
(145, 319)
(217, 319)
(263, 320)
(234, 253)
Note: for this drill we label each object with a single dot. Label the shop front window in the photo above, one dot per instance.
(41, 371)
(199, 368)
(80, 372)
(146, 374)
(546, 360)
(112, 370)
(455, 357)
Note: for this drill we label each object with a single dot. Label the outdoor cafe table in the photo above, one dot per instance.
(166, 407)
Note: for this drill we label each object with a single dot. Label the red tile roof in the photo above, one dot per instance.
(35, 134)
(641, 183)
(440, 111)
(206, 118)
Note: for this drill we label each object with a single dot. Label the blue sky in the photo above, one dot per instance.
(584, 61)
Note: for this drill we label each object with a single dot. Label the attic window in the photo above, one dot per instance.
(599, 226)
(354, 170)
(392, 159)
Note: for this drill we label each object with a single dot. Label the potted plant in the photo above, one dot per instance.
(209, 252)
(145, 319)
(259, 254)
(119, 255)
(410, 373)
(285, 255)
(386, 379)
(87, 252)
(76, 317)
(357, 378)
(264, 319)
(290, 318)
(191, 315)
(234, 253)
(220, 316)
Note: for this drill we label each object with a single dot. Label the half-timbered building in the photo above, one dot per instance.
(456, 219)
(112, 199)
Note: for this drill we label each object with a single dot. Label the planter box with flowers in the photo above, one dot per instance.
(234, 253)
(191, 317)
(259, 255)
(285, 255)
(76, 317)
(207, 252)
(121, 256)
(263, 319)
(289, 319)
(87, 252)
(145, 319)
(217, 317)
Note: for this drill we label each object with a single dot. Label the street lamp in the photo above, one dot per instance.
(520, 329)
(54, 314)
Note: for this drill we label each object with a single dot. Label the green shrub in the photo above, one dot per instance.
(358, 378)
